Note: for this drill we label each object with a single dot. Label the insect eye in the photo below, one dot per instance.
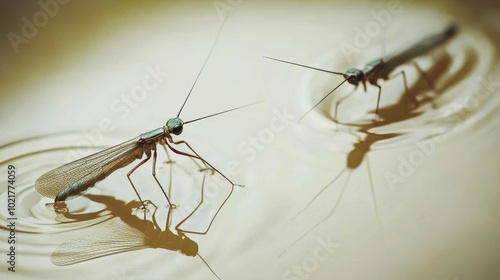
(177, 129)
(175, 126)
(354, 76)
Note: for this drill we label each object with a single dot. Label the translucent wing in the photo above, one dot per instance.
(73, 178)
(118, 237)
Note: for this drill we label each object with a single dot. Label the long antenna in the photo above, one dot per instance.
(302, 65)
(226, 111)
(204, 63)
(314, 68)
(322, 100)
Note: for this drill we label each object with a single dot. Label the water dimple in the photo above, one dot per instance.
(43, 225)
(455, 98)
(449, 85)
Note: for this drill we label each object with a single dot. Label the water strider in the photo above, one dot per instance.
(74, 178)
(381, 68)
(378, 69)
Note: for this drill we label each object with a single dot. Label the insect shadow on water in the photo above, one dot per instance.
(74, 178)
(124, 233)
(403, 109)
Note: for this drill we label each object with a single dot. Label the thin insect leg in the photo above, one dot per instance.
(201, 168)
(213, 168)
(169, 212)
(154, 220)
(153, 217)
(198, 165)
(177, 228)
(168, 221)
(148, 156)
(144, 219)
(319, 193)
(378, 98)
(168, 155)
(156, 179)
(196, 155)
(412, 101)
(170, 161)
(324, 219)
(170, 172)
(201, 201)
(428, 81)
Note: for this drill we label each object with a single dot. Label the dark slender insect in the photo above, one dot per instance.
(363, 146)
(381, 68)
(372, 72)
(74, 178)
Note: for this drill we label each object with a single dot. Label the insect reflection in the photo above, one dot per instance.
(123, 233)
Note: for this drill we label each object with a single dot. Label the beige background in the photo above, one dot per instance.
(440, 223)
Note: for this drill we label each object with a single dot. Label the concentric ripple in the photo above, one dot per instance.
(84, 223)
(454, 93)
